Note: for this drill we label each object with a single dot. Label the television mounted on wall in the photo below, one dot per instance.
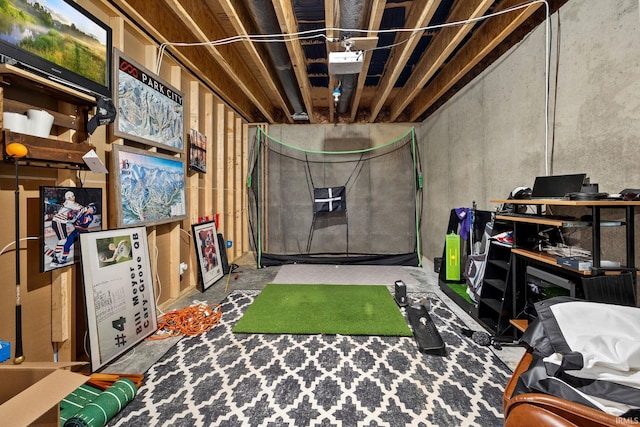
(57, 39)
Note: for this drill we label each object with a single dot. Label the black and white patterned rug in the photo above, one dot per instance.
(226, 379)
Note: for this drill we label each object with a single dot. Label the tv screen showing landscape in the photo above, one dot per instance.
(58, 39)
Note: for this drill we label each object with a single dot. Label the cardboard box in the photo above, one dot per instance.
(30, 393)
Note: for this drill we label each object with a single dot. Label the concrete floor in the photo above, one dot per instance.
(144, 355)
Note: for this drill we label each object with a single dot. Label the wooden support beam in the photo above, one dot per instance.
(164, 298)
(288, 25)
(439, 49)
(197, 18)
(62, 303)
(331, 20)
(61, 306)
(169, 234)
(168, 260)
(484, 40)
(218, 148)
(229, 170)
(194, 202)
(237, 190)
(238, 19)
(245, 247)
(192, 105)
(207, 180)
(377, 9)
(419, 16)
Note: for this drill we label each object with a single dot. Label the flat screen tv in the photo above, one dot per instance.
(57, 39)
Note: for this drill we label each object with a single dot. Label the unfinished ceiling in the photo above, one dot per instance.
(410, 62)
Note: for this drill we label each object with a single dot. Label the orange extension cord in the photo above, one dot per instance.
(192, 320)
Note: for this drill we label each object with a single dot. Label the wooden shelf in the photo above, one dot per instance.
(560, 202)
(540, 219)
(20, 91)
(44, 151)
(596, 225)
(533, 220)
(547, 259)
(520, 324)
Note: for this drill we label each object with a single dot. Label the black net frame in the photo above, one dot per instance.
(382, 220)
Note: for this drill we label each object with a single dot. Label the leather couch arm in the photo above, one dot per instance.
(537, 409)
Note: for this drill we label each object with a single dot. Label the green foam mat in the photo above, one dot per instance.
(91, 407)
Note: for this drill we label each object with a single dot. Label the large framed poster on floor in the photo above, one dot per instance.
(119, 295)
(149, 187)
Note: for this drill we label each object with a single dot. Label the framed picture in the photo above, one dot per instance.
(205, 239)
(65, 213)
(197, 151)
(149, 110)
(149, 187)
(118, 288)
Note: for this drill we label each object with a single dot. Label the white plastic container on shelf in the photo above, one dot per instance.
(39, 123)
(15, 122)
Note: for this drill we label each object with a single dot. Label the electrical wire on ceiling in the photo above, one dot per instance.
(319, 33)
(316, 33)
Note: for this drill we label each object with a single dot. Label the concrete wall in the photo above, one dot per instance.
(490, 138)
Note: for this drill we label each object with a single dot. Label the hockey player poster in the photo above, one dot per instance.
(65, 213)
(118, 288)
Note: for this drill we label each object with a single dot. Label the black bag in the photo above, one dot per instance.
(222, 245)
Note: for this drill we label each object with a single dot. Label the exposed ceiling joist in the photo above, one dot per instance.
(152, 17)
(404, 78)
(490, 34)
(288, 25)
(197, 17)
(331, 17)
(237, 19)
(377, 9)
(440, 48)
(419, 16)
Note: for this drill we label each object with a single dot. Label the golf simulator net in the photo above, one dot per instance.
(357, 206)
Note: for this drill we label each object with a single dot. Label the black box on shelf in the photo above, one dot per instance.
(577, 263)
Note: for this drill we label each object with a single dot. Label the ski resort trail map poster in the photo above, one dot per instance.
(149, 109)
(119, 292)
(149, 187)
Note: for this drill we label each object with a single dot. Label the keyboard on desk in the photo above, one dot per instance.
(536, 216)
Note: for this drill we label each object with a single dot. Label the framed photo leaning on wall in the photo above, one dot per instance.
(205, 240)
(65, 213)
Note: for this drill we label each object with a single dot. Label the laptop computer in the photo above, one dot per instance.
(557, 186)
